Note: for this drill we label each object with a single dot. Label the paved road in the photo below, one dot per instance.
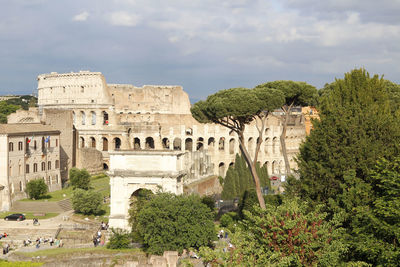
(51, 223)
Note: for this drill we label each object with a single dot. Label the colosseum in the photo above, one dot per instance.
(112, 117)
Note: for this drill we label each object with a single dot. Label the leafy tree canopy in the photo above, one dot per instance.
(169, 222)
(79, 178)
(36, 188)
(295, 93)
(87, 202)
(356, 128)
(239, 104)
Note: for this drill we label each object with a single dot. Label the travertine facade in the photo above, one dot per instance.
(112, 117)
(27, 151)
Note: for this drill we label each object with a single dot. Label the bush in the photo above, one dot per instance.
(209, 202)
(79, 178)
(226, 220)
(119, 239)
(249, 199)
(36, 188)
(87, 202)
(169, 222)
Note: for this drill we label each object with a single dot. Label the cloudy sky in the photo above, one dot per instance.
(203, 45)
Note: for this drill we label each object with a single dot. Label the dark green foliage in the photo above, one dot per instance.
(249, 200)
(119, 239)
(237, 103)
(290, 234)
(6, 109)
(169, 222)
(138, 200)
(209, 202)
(87, 202)
(238, 179)
(23, 101)
(296, 93)
(356, 127)
(79, 178)
(36, 188)
(229, 218)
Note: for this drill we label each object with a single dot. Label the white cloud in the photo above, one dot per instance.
(81, 16)
(123, 18)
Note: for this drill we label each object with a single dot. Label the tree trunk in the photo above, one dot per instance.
(283, 141)
(253, 171)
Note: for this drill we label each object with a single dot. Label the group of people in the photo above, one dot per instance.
(98, 238)
(104, 226)
(6, 248)
(3, 235)
(41, 240)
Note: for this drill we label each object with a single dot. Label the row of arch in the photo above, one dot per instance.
(93, 117)
(177, 144)
(276, 167)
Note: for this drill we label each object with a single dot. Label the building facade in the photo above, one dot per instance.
(27, 152)
(112, 117)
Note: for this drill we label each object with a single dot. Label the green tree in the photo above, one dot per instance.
(79, 178)
(169, 222)
(119, 239)
(138, 200)
(87, 202)
(296, 94)
(238, 179)
(36, 188)
(6, 109)
(356, 128)
(286, 235)
(235, 108)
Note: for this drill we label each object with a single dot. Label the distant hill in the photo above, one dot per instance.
(11, 105)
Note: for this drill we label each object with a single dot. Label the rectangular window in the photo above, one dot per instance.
(27, 168)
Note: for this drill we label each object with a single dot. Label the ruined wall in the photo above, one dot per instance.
(91, 159)
(149, 99)
(24, 116)
(208, 186)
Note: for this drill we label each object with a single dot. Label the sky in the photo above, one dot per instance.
(202, 45)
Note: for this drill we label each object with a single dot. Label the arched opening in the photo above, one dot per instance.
(250, 146)
(105, 118)
(149, 143)
(211, 142)
(221, 144)
(231, 164)
(117, 143)
(43, 143)
(105, 166)
(274, 145)
(92, 142)
(221, 169)
(105, 144)
(165, 143)
(136, 143)
(177, 144)
(189, 144)
(200, 143)
(83, 117)
(266, 145)
(82, 142)
(267, 131)
(266, 164)
(93, 117)
(232, 146)
(274, 167)
(142, 194)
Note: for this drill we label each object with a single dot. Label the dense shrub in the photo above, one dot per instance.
(119, 239)
(36, 188)
(87, 202)
(79, 178)
(209, 202)
(169, 222)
